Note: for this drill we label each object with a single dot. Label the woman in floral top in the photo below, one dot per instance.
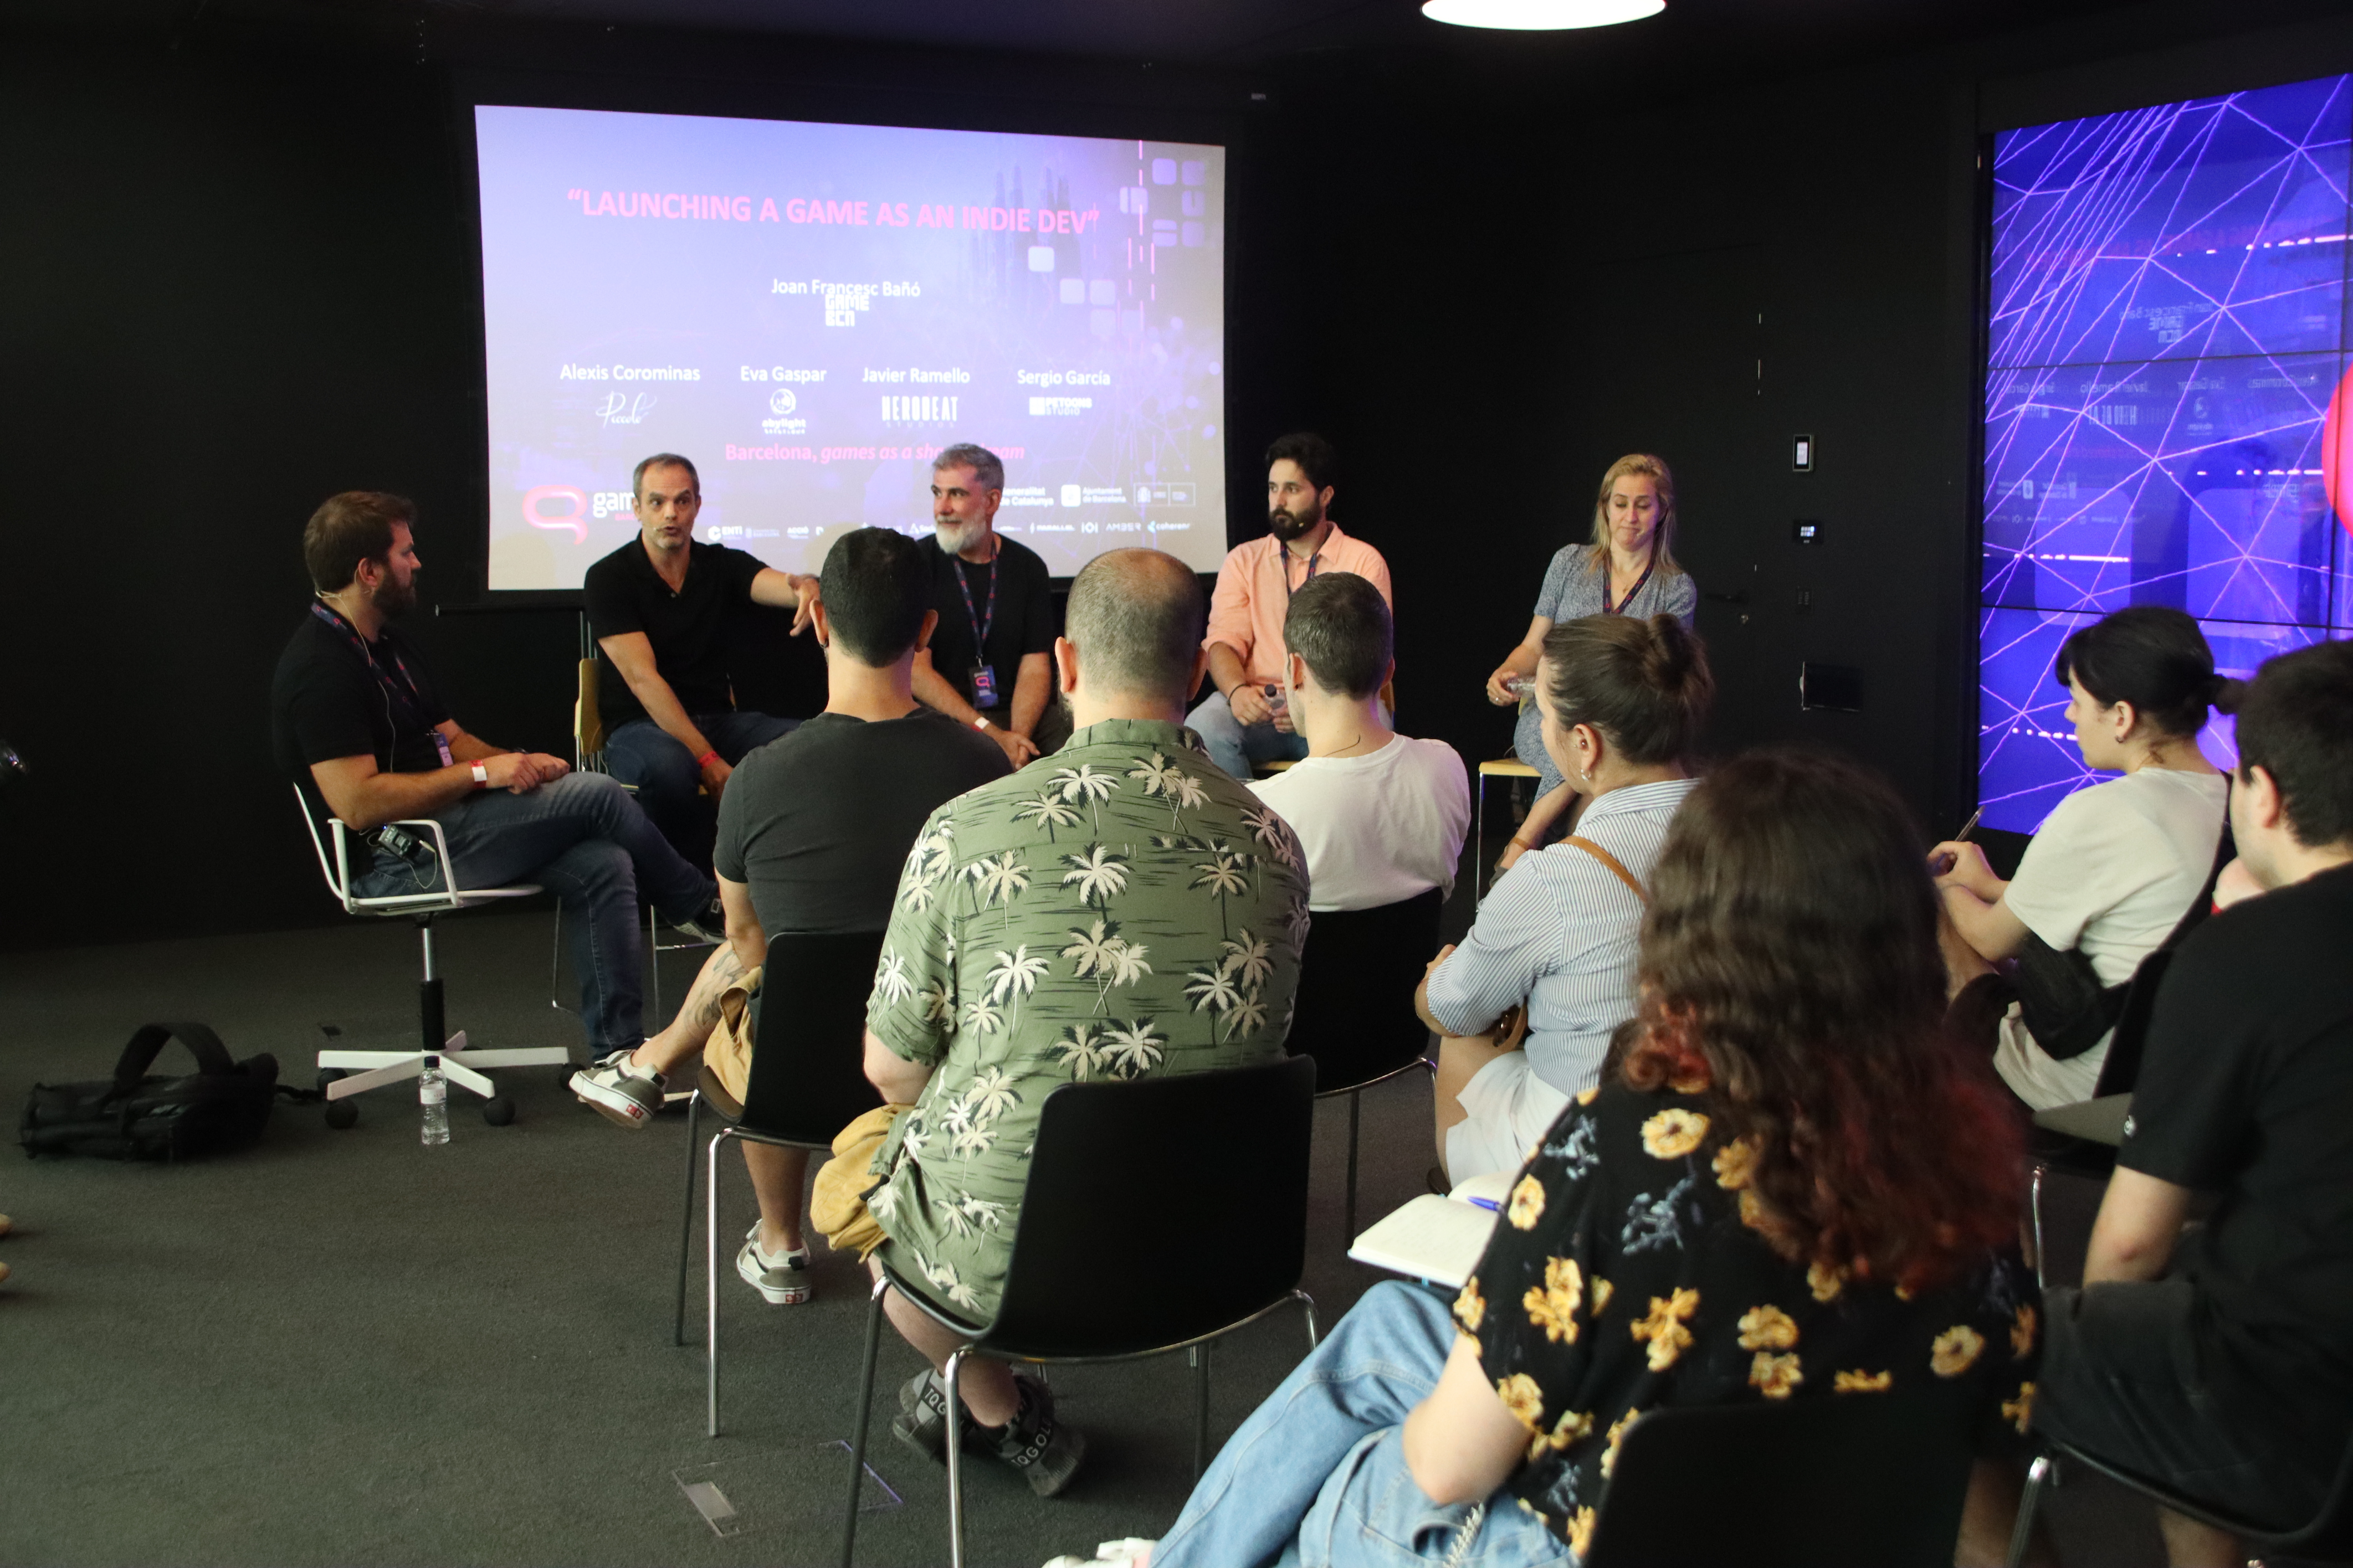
(1796, 1185)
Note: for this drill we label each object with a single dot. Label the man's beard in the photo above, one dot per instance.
(1288, 526)
(393, 600)
(955, 538)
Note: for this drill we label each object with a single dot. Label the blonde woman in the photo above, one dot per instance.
(1627, 568)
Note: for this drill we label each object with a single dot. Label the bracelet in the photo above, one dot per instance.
(1522, 844)
(981, 722)
(707, 758)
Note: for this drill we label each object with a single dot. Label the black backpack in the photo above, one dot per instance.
(137, 1115)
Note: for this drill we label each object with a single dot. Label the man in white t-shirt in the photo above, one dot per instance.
(1381, 816)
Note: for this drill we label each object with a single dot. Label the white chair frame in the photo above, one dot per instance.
(462, 1064)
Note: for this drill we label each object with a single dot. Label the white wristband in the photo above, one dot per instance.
(482, 776)
(981, 722)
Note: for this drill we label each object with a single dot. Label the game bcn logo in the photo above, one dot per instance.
(568, 509)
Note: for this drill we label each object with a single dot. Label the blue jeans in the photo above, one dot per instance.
(640, 753)
(1317, 1477)
(584, 840)
(1234, 746)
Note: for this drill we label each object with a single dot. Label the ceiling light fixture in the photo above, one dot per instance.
(1540, 15)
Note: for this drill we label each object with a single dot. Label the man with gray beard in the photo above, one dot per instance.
(988, 663)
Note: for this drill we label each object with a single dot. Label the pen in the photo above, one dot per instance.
(1491, 1204)
(1943, 864)
(1971, 825)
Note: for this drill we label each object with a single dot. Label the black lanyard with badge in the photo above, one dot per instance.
(400, 689)
(983, 674)
(1619, 607)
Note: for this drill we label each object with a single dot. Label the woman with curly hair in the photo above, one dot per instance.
(1797, 1185)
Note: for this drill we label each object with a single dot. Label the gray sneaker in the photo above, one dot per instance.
(619, 1091)
(1045, 1452)
(782, 1277)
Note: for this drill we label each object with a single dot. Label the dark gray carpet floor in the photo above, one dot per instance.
(344, 1347)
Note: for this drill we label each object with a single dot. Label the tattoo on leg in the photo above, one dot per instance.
(702, 1001)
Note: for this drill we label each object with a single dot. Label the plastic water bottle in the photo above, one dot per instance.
(433, 1095)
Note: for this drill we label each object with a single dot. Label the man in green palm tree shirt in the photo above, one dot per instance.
(1119, 909)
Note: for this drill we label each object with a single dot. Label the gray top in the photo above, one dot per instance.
(1570, 593)
(1560, 931)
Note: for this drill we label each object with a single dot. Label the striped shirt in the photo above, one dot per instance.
(1560, 931)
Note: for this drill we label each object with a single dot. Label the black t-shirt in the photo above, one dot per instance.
(819, 823)
(688, 628)
(1022, 623)
(2246, 1089)
(325, 702)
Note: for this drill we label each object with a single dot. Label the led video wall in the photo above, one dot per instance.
(2166, 394)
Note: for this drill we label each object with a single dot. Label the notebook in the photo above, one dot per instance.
(1438, 1239)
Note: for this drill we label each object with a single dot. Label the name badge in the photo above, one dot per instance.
(441, 744)
(984, 686)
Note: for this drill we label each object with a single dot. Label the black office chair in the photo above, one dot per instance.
(1092, 1257)
(1355, 1013)
(2328, 1538)
(807, 1083)
(1871, 1481)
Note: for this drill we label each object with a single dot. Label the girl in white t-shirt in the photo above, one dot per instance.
(2114, 868)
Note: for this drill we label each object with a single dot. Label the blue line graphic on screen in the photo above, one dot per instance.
(809, 312)
(2166, 378)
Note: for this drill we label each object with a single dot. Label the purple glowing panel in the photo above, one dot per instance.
(2168, 326)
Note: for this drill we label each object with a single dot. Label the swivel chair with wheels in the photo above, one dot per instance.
(1355, 1010)
(1093, 1258)
(459, 1064)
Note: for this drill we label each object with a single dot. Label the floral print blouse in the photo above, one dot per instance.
(1624, 1275)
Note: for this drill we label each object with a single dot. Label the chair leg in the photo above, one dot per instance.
(858, 1432)
(1349, 1231)
(1200, 1408)
(1479, 851)
(686, 1225)
(555, 965)
(711, 1281)
(653, 965)
(2038, 1476)
(956, 1455)
(2034, 1208)
(1307, 1305)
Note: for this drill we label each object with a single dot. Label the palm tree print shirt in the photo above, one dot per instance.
(1121, 908)
(1627, 1271)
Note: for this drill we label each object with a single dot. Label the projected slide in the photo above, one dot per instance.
(810, 312)
(2166, 400)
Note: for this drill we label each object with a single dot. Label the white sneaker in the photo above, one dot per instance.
(1134, 1549)
(782, 1277)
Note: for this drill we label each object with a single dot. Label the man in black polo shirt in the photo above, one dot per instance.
(2230, 1379)
(659, 608)
(811, 839)
(358, 724)
(989, 665)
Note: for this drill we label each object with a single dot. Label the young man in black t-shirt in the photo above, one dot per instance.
(812, 836)
(2230, 1379)
(990, 663)
(360, 726)
(659, 608)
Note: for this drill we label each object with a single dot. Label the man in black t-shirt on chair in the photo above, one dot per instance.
(359, 724)
(2228, 1380)
(659, 608)
(989, 665)
(812, 836)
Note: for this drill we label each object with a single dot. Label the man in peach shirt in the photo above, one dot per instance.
(1240, 723)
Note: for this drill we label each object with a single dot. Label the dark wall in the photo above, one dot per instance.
(239, 277)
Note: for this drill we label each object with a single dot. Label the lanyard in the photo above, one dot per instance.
(1619, 607)
(402, 690)
(981, 620)
(1282, 551)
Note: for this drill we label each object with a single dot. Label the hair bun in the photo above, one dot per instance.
(1668, 661)
(2224, 694)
